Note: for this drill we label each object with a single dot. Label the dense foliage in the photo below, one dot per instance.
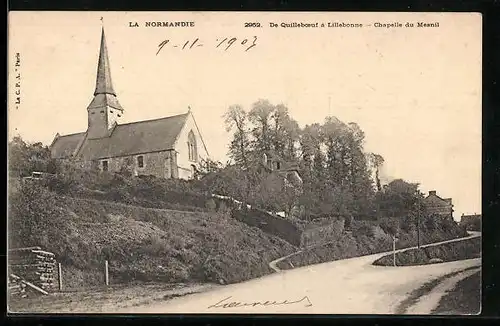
(67, 211)
(24, 158)
(339, 176)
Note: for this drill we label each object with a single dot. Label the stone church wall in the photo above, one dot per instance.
(160, 164)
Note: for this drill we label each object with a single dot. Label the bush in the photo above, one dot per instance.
(430, 223)
(390, 226)
(145, 191)
(363, 228)
(211, 205)
(475, 225)
(34, 217)
(407, 225)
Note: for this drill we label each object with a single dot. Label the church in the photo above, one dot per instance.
(169, 147)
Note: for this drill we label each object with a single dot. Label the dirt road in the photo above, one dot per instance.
(350, 286)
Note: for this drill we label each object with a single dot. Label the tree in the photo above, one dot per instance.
(236, 120)
(24, 158)
(208, 166)
(279, 118)
(345, 169)
(276, 193)
(34, 217)
(335, 169)
(399, 199)
(260, 116)
(284, 133)
(377, 161)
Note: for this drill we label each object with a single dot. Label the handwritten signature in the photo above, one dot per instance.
(226, 43)
(225, 303)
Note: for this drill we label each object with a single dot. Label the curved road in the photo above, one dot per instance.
(349, 286)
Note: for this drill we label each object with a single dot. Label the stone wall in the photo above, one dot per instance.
(31, 265)
(160, 164)
(265, 221)
(319, 234)
(279, 227)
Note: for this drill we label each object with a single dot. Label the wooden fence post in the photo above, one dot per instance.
(106, 272)
(59, 271)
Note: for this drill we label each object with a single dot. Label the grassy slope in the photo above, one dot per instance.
(425, 289)
(467, 249)
(465, 298)
(359, 243)
(148, 244)
(160, 244)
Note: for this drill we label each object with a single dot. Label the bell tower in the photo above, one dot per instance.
(104, 110)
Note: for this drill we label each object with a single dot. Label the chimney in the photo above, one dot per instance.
(432, 192)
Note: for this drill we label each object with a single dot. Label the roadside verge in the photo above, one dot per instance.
(425, 299)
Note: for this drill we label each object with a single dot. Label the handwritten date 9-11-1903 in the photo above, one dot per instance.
(224, 43)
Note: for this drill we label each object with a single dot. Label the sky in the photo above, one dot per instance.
(415, 92)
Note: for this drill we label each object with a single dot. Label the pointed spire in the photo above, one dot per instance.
(103, 82)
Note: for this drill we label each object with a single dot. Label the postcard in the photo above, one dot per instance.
(244, 162)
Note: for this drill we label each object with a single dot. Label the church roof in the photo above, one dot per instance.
(64, 146)
(104, 94)
(126, 139)
(103, 82)
(105, 100)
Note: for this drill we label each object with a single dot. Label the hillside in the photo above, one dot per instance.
(369, 237)
(142, 244)
(169, 230)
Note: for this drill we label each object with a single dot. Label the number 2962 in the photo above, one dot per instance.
(252, 25)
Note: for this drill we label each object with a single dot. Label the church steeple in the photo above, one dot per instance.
(103, 81)
(104, 110)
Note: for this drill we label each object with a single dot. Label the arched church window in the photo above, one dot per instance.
(192, 147)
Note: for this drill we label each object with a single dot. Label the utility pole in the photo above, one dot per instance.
(418, 222)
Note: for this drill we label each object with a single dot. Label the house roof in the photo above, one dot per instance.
(125, 139)
(275, 157)
(433, 196)
(472, 216)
